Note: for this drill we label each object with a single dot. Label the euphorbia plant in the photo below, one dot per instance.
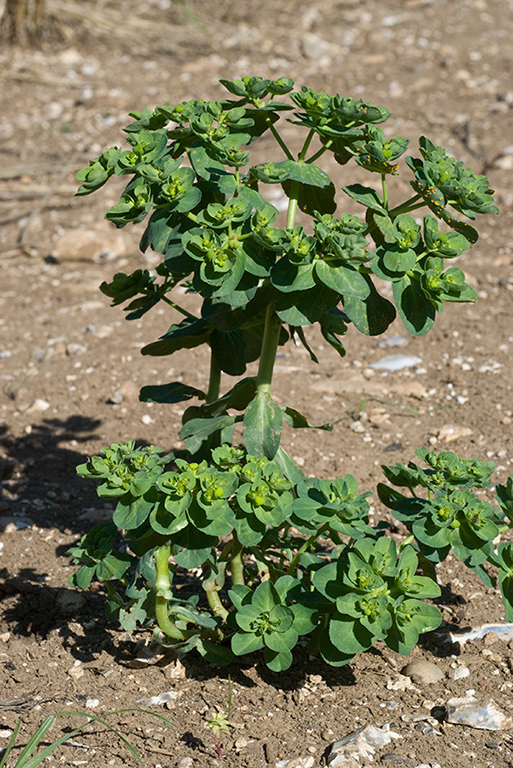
(280, 556)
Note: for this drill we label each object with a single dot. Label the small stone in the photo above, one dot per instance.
(38, 406)
(186, 762)
(490, 638)
(410, 389)
(76, 672)
(451, 432)
(296, 762)
(357, 426)
(177, 671)
(402, 683)
(460, 672)
(396, 362)
(5, 733)
(423, 672)
(469, 711)
(146, 419)
(116, 398)
(361, 743)
(393, 341)
(92, 703)
(241, 743)
(75, 349)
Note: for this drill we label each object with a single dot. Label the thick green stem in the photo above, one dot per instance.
(214, 382)
(385, 190)
(404, 543)
(308, 543)
(215, 604)
(236, 564)
(292, 209)
(270, 341)
(163, 594)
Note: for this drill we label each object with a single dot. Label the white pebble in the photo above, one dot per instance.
(460, 672)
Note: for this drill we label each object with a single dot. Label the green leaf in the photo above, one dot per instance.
(191, 332)
(174, 392)
(311, 199)
(206, 426)
(398, 260)
(132, 511)
(193, 547)
(228, 351)
(262, 426)
(367, 197)
(246, 617)
(306, 173)
(203, 164)
(287, 466)
(331, 653)
(277, 662)
(238, 594)
(305, 618)
(296, 420)
(265, 597)
(415, 310)
(348, 635)
(214, 653)
(246, 642)
(281, 642)
(373, 315)
(342, 278)
(305, 307)
(287, 277)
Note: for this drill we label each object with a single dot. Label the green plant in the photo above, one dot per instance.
(220, 722)
(27, 759)
(278, 556)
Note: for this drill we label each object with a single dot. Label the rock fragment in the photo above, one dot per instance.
(451, 432)
(423, 672)
(396, 362)
(469, 711)
(348, 751)
(296, 762)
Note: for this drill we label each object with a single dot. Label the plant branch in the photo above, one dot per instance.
(270, 341)
(280, 141)
(308, 543)
(163, 594)
(236, 564)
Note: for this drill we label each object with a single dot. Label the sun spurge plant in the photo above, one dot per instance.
(278, 556)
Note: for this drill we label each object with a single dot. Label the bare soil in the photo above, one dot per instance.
(70, 371)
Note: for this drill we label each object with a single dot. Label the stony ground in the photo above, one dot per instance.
(70, 373)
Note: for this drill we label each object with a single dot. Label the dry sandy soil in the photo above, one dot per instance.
(70, 370)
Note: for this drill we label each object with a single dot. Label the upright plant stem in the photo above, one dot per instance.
(163, 594)
(215, 604)
(236, 564)
(270, 341)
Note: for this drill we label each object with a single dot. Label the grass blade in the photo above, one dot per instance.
(11, 744)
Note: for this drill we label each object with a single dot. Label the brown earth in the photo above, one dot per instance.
(70, 370)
